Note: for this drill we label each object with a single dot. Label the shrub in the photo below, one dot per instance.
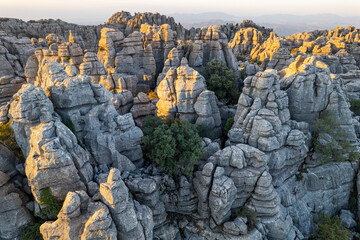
(221, 80)
(248, 213)
(32, 232)
(172, 144)
(331, 228)
(331, 141)
(228, 125)
(355, 107)
(53, 205)
(205, 131)
(8, 138)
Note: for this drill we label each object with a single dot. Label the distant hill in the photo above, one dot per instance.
(283, 24)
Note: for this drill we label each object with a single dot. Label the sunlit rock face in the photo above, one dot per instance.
(81, 218)
(311, 79)
(178, 92)
(128, 23)
(53, 156)
(245, 40)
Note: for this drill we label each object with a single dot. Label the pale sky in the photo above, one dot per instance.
(98, 11)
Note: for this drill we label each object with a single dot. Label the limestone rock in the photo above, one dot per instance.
(53, 157)
(89, 106)
(142, 108)
(178, 92)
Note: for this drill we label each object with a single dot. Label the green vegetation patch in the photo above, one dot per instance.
(228, 125)
(8, 138)
(173, 144)
(331, 141)
(331, 228)
(53, 205)
(221, 80)
(32, 232)
(245, 212)
(355, 107)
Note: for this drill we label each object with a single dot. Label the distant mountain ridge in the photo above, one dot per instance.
(283, 24)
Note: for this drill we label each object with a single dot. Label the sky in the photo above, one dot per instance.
(98, 11)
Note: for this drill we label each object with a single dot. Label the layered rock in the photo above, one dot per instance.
(351, 81)
(14, 216)
(108, 136)
(178, 92)
(236, 177)
(80, 218)
(210, 43)
(132, 220)
(53, 156)
(11, 73)
(262, 120)
(245, 40)
(311, 79)
(142, 107)
(135, 59)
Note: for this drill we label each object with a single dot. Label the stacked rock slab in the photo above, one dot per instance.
(172, 61)
(142, 107)
(80, 218)
(237, 177)
(14, 217)
(110, 43)
(311, 79)
(206, 107)
(111, 138)
(162, 39)
(136, 59)
(263, 121)
(132, 220)
(11, 74)
(245, 40)
(53, 157)
(178, 92)
(351, 82)
(210, 43)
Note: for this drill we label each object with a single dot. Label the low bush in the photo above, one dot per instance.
(228, 125)
(53, 205)
(173, 144)
(248, 213)
(331, 141)
(331, 228)
(8, 138)
(221, 80)
(355, 107)
(32, 232)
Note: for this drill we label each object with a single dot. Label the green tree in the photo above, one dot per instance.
(331, 141)
(355, 107)
(331, 228)
(172, 144)
(221, 80)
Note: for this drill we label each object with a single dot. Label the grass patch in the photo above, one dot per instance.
(331, 228)
(53, 205)
(32, 232)
(8, 138)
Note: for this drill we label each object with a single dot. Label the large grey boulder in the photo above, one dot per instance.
(106, 134)
(53, 156)
(80, 218)
(115, 195)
